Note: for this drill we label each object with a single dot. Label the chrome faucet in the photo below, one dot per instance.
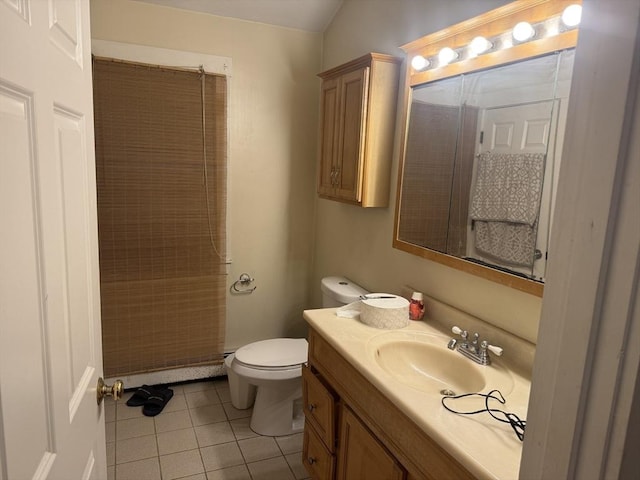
(474, 350)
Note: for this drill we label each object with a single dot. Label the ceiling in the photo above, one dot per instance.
(309, 15)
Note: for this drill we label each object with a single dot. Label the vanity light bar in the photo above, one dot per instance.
(419, 62)
(480, 45)
(446, 56)
(572, 15)
(521, 33)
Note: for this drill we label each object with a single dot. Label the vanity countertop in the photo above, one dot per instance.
(488, 448)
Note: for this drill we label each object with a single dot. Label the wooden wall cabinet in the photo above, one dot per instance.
(352, 431)
(357, 121)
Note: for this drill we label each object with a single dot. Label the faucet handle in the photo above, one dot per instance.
(459, 331)
(463, 333)
(492, 348)
(495, 350)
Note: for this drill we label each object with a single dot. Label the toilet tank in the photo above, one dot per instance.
(338, 291)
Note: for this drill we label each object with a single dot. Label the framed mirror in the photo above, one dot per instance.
(483, 140)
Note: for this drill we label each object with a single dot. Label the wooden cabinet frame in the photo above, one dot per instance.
(357, 119)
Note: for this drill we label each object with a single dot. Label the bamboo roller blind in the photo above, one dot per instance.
(161, 226)
(437, 177)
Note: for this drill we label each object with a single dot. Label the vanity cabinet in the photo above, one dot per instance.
(357, 120)
(371, 437)
(362, 455)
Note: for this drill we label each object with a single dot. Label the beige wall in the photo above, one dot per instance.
(273, 117)
(357, 242)
(273, 111)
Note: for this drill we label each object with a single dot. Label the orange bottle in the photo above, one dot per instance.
(416, 306)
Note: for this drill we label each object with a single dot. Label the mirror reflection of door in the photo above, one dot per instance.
(513, 130)
(521, 109)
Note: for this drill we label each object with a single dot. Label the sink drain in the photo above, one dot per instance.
(447, 393)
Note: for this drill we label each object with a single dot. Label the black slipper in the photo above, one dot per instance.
(140, 396)
(157, 401)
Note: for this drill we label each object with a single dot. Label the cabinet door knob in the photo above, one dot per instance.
(311, 407)
(311, 460)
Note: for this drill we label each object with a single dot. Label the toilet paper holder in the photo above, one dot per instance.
(241, 286)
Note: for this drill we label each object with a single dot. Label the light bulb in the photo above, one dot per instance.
(419, 62)
(572, 15)
(523, 31)
(446, 56)
(480, 45)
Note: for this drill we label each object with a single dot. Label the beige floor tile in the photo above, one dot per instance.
(198, 386)
(223, 393)
(241, 428)
(111, 453)
(233, 413)
(177, 441)
(177, 389)
(167, 421)
(177, 402)
(259, 448)
(182, 464)
(148, 469)
(202, 398)
(220, 456)
(124, 412)
(111, 472)
(199, 476)
(290, 443)
(271, 469)
(239, 472)
(295, 463)
(138, 448)
(135, 427)
(110, 412)
(207, 414)
(214, 434)
(110, 431)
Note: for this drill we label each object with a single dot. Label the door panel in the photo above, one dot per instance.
(353, 101)
(361, 455)
(523, 129)
(27, 429)
(328, 136)
(50, 349)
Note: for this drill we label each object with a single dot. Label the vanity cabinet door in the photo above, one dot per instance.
(329, 125)
(315, 457)
(319, 408)
(352, 115)
(361, 455)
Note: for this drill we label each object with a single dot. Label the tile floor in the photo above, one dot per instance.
(198, 436)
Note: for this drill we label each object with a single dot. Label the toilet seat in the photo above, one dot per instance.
(273, 354)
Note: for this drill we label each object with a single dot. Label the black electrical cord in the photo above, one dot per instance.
(512, 419)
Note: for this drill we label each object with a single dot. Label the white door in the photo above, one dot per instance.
(527, 128)
(51, 426)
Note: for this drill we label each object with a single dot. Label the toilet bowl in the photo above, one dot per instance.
(267, 374)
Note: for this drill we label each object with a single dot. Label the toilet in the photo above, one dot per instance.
(267, 374)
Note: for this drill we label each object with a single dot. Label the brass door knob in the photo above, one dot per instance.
(105, 390)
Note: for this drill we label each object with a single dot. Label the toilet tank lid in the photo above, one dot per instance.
(275, 352)
(342, 289)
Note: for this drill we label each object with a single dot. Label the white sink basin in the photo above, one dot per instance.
(423, 361)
